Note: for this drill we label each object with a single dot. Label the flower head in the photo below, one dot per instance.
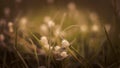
(44, 40)
(48, 47)
(44, 29)
(64, 54)
(57, 48)
(84, 28)
(65, 43)
(50, 23)
(95, 28)
(10, 25)
(23, 21)
(47, 18)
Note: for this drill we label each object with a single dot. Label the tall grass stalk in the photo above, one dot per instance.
(18, 53)
(35, 52)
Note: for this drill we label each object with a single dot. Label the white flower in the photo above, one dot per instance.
(95, 28)
(44, 29)
(50, 23)
(48, 47)
(47, 18)
(65, 43)
(57, 48)
(64, 54)
(23, 21)
(23, 24)
(44, 40)
(84, 28)
(10, 25)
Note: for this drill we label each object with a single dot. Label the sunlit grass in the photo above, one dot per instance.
(52, 42)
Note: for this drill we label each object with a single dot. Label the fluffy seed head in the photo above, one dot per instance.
(10, 24)
(95, 28)
(44, 29)
(50, 23)
(48, 47)
(44, 40)
(64, 54)
(23, 21)
(83, 28)
(65, 43)
(57, 48)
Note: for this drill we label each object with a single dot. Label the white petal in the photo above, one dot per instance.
(65, 43)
